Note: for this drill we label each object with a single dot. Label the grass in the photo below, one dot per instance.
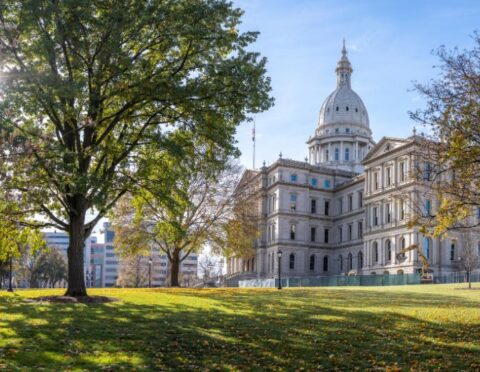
(394, 328)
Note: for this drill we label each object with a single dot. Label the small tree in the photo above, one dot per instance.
(133, 271)
(469, 259)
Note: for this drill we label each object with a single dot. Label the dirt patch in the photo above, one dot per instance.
(74, 300)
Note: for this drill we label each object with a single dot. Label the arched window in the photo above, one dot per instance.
(347, 154)
(400, 272)
(350, 262)
(388, 249)
(360, 260)
(426, 247)
(337, 154)
(312, 262)
(386, 272)
(375, 252)
(325, 263)
(292, 261)
(452, 251)
(340, 263)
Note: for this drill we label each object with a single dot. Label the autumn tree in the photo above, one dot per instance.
(449, 162)
(87, 83)
(180, 212)
(469, 258)
(133, 271)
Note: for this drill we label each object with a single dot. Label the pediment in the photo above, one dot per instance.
(384, 146)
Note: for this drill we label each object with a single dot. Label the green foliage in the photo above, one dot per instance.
(89, 83)
(422, 328)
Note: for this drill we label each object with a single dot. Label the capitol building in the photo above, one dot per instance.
(344, 209)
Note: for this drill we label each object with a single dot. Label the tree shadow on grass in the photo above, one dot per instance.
(239, 331)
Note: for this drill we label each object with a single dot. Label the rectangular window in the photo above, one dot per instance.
(340, 234)
(293, 178)
(326, 184)
(313, 233)
(388, 213)
(375, 216)
(313, 206)
(350, 202)
(389, 176)
(293, 202)
(340, 206)
(360, 229)
(327, 207)
(402, 171)
(314, 182)
(325, 235)
(360, 199)
(375, 181)
(350, 232)
(402, 210)
(428, 207)
(293, 229)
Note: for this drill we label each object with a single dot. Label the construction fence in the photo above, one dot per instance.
(334, 281)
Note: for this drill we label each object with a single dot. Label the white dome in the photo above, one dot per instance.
(343, 107)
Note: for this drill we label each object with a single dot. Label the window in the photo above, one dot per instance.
(402, 210)
(360, 260)
(426, 247)
(326, 155)
(428, 207)
(292, 261)
(427, 172)
(350, 232)
(336, 109)
(313, 181)
(340, 234)
(375, 216)
(375, 252)
(360, 229)
(340, 205)
(389, 176)
(402, 171)
(388, 212)
(360, 199)
(452, 251)
(375, 181)
(313, 206)
(346, 108)
(293, 202)
(340, 263)
(326, 184)
(293, 178)
(312, 262)
(313, 233)
(388, 249)
(273, 232)
(325, 236)
(350, 262)
(327, 207)
(293, 229)
(347, 154)
(337, 154)
(350, 202)
(325, 263)
(347, 130)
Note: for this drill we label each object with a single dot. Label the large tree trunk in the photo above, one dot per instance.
(175, 268)
(76, 278)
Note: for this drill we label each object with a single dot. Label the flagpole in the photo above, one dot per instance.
(253, 140)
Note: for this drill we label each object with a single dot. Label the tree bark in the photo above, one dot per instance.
(175, 268)
(76, 278)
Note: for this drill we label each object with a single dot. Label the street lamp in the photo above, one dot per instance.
(279, 255)
(150, 272)
(10, 276)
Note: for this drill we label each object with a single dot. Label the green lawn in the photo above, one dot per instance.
(408, 327)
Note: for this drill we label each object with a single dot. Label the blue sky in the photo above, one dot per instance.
(389, 43)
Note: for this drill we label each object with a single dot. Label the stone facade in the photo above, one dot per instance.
(346, 208)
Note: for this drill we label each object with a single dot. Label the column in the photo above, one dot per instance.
(342, 155)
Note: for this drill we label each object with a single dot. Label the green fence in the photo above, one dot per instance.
(334, 281)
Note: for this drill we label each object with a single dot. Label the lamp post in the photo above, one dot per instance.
(150, 272)
(279, 255)
(10, 276)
